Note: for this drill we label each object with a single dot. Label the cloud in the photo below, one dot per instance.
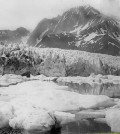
(28, 13)
(108, 7)
(111, 7)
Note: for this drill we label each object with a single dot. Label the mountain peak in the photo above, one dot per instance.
(22, 30)
(84, 9)
(82, 28)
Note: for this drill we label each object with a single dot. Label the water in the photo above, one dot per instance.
(84, 126)
(108, 89)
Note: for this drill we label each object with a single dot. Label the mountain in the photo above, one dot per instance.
(45, 27)
(82, 28)
(17, 36)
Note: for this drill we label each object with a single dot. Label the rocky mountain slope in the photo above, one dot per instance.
(45, 27)
(81, 28)
(17, 36)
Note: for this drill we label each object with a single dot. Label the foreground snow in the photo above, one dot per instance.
(36, 105)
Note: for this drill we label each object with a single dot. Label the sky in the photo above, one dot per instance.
(28, 13)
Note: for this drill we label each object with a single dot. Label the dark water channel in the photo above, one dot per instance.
(83, 127)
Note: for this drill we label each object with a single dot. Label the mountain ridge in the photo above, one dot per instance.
(81, 28)
(13, 36)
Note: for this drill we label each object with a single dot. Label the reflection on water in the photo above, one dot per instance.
(84, 126)
(109, 89)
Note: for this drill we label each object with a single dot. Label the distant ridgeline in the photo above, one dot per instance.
(81, 28)
(55, 62)
(17, 36)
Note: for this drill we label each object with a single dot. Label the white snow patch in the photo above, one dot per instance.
(77, 30)
(102, 30)
(118, 38)
(57, 24)
(70, 43)
(24, 39)
(88, 12)
(92, 41)
(91, 36)
(44, 33)
(78, 43)
(86, 26)
(64, 18)
(64, 33)
(76, 25)
(113, 44)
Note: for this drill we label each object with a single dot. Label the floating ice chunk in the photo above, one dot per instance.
(32, 118)
(6, 113)
(113, 119)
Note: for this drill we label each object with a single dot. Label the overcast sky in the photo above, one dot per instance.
(28, 13)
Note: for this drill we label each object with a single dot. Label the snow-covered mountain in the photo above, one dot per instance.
(17, 36)
(81, 28)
